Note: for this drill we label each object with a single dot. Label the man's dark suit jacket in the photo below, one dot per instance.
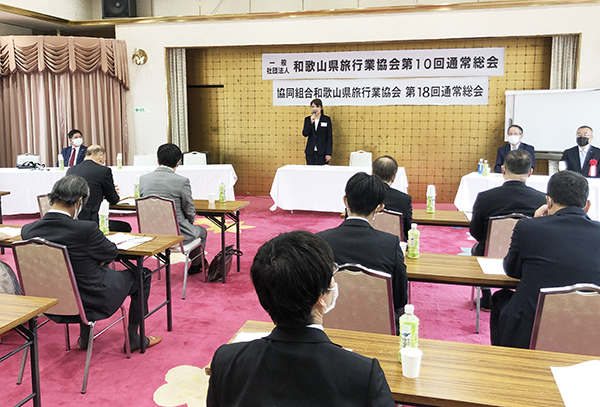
(100, 180)
(299, 368)
(398, 201)
(571, 156)
(355, 241)
(102, 289)
(551, 251)
(502, 151)
(510, 197)
(66, 153)
(322, 137)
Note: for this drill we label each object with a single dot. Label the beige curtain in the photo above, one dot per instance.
(178, 110)
(563, 70)
(50, 85)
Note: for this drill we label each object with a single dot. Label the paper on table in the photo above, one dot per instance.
(249, 336)
(491, 266)
(578, 384)
(12, 232)
(469, 215)
(125, 242)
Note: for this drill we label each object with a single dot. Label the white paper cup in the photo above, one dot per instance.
(430, 190)
(403, 246)
(562, 165)
(212, 197)
(411, 361)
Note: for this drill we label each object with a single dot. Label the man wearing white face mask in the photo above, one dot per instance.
(102, 289)
(515, 135)
(583, 158)
(297, 364)
(356, 241)
(75, 153)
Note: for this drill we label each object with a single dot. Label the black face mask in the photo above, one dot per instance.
(582, 141)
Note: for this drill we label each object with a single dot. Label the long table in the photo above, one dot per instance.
(318, 187)
(474, 183)
(26, 185)
(440, 218)
(216, 213)
(453, 269)
(15, 312)
(459, 374)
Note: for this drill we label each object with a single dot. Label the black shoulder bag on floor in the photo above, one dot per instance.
(215, 270)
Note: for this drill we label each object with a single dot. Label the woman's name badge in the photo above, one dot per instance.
(323, 124)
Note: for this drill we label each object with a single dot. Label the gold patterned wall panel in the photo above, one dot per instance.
(238, 123)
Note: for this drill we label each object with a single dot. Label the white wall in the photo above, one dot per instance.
(67, 9)
(148, 82)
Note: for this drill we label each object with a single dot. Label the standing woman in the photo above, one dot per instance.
(318, 129)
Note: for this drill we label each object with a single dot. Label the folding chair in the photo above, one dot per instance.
(390, 222)
(361, 158)
(158, 216)
(194, 158)
(567, 319)
(45, 270)
(365, 303)
(499, 233)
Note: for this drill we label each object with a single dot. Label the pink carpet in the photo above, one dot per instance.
(211, 315)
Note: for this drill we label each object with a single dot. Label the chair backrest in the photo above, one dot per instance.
(45, 270)
(499, 233)
(144, 160)
(157, 216)
(194, 158)
(361, 158)
(365, 302)
(43, 204)
(567, 320)
(390, 222)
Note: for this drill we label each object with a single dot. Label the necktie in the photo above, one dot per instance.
(582, 154)
(72, 159)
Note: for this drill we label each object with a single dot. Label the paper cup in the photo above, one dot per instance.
(430, 190)
(411, 361)
(212, 197)
(403, 246)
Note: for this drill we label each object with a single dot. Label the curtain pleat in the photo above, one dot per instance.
(563, 69)
(50, 85)
(177, 85)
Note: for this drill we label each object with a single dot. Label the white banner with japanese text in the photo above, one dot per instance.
(384, 64)
(383, 92)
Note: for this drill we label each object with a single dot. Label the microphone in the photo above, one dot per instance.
(314, 113)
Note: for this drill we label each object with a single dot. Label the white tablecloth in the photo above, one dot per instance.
(472, 184)
(318, 187)
(26, 185)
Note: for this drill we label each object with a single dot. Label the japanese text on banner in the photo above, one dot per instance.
(383, 92)
(384, 64)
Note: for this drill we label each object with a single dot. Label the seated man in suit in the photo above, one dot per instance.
(165, 183)
(102, 289)
(583, 158)
(386, 169)
(75, 153)
(512, 197)
(355, 240)
(100, 180)
(559, 247)
(515, 135)
(297, 364)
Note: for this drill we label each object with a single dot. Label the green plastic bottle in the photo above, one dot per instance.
(486, 168)
(413, 242)
(409, 329)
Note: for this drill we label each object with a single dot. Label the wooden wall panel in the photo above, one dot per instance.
(436, 144)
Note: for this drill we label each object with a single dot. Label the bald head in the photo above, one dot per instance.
(96, 153)
(385, 168)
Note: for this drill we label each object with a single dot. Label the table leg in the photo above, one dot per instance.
(237, 225)
(140, 271)
(1, 248)
(35, 364)
(168, 284)
(223, 230)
